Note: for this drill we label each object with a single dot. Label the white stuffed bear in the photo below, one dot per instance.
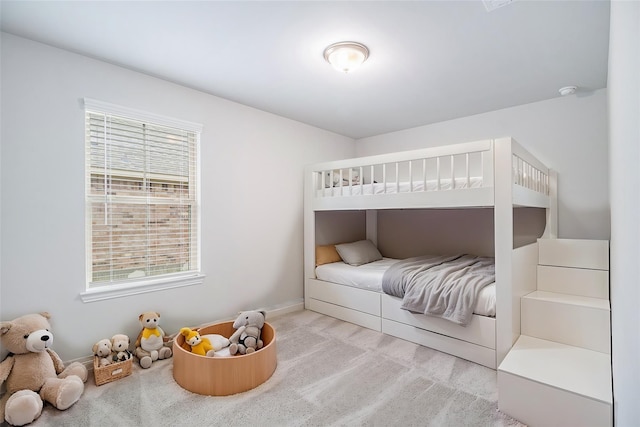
(102, 349)
(120, 348)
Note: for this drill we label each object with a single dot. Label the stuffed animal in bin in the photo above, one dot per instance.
(246, 338)
(120, 348)
(150, 344)
(33, 373)
(199, 345)
(102, 349)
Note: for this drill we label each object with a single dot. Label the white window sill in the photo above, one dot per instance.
(137, 287)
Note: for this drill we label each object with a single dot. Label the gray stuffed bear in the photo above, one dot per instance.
(246, 338)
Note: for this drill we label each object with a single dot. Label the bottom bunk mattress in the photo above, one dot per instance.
(369, 276)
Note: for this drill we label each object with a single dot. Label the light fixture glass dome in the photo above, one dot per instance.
(346, 56)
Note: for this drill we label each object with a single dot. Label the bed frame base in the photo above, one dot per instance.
(382, 313)
(481, 330)
(357, 317)
(465, 350)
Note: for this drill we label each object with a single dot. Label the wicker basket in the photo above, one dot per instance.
(112, 372)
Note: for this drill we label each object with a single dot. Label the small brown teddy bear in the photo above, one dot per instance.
(120, 348)
(102, 349)
(150, 342)
(34, 372)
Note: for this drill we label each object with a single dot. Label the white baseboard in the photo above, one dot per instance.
(87, 361)
(285, 308)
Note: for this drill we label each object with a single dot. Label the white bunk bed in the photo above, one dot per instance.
(498, 175)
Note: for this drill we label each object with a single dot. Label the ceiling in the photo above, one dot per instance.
(430, 61)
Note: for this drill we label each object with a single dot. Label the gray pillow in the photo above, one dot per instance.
(358, 253)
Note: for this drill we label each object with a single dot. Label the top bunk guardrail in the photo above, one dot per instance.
(459, 175)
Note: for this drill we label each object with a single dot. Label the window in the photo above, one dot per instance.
(142, 201)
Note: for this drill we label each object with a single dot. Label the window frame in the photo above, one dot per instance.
(148, 283)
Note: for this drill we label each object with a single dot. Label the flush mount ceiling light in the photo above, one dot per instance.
(346, 56)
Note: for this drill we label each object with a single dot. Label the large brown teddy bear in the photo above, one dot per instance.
(34, 372)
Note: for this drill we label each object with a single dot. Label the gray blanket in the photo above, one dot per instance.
(441, 286)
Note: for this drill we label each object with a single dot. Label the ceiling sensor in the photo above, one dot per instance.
(568, 90)
(494, 4)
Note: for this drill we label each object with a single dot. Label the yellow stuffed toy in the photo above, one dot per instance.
(199, 345)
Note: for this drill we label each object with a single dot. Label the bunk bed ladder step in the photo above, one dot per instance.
(558, 372)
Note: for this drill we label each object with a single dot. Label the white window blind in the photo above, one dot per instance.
(142, 196)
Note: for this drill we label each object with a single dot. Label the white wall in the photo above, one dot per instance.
(624, 120)
(569, 134)
(252, 236)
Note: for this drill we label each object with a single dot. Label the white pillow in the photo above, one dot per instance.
(225, 352)
(358, 253)
(355, 178)
(217, 341)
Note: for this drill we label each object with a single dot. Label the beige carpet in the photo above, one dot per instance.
(330, 373)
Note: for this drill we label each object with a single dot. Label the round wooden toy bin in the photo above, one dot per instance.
(222, 376)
